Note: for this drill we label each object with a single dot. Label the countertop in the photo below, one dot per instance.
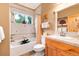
(65, 39)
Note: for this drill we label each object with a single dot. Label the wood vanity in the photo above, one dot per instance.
(58, 48)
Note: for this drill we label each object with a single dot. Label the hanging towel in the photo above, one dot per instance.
(0, 41)
(1, 34)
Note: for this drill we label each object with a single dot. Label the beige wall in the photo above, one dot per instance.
(49, 8)
(69, 11)
(4, 22)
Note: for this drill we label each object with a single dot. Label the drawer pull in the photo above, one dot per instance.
(71, 50)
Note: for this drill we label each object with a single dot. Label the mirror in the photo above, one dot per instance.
(68, 19)
(62, 25)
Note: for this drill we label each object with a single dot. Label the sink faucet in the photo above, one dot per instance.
(24, 38)
(62, 34)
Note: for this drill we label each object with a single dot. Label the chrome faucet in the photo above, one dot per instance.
(62, 34)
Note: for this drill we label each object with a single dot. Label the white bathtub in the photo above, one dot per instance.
(17, 49)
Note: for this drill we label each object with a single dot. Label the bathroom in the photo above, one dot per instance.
(35, 35)
(30, 28)
(24, 31)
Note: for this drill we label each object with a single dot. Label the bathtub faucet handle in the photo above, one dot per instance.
(24, 37)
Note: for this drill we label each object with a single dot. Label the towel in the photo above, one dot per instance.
(0, 41)
(1, 34)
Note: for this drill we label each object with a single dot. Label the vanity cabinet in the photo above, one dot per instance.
(57, 48)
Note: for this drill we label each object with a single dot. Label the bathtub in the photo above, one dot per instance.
(16, 49)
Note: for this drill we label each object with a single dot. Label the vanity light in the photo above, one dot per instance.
(2, 36)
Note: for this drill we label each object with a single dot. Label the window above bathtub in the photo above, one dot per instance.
(22, 18)
(22, 21)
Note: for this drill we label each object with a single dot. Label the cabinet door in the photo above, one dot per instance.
(62, 53)
(59, 52)
(66, 53)
(73, 53)
(51, 51)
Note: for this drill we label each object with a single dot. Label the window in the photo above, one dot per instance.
(22, 18)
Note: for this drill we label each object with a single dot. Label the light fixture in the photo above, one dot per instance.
(2, 36)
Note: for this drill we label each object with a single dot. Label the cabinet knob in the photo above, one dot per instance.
(72, 50)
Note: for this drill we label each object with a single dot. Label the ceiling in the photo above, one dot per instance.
(30, 5)
(35, 5)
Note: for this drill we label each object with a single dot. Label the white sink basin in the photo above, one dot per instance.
(65, 39)
(60, 37)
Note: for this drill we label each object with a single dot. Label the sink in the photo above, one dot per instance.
(65, 39)
(57, 37)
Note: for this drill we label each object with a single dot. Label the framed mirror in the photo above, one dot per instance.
(68, 21)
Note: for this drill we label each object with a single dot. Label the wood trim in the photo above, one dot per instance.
(23, 6)
(12, 6)
(37, 7)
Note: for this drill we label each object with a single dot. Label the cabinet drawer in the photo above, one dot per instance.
(51, 51)
(59, 45)
(62, 53)
(60, 48)
(73, 52)
(66, 53)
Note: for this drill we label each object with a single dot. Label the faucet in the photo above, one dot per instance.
(24, 38)
(25, 41)
(62, 33)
